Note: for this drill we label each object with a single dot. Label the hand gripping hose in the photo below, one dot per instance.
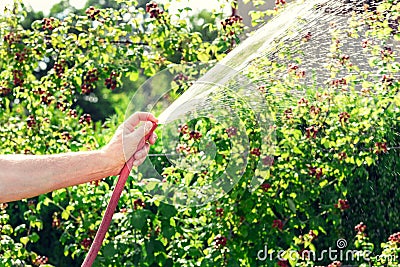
(105, 223)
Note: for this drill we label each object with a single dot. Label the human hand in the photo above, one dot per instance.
(128, 140)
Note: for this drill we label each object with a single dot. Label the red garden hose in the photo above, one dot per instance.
(105, 223)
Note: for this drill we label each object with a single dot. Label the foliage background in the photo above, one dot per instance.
(55, 71)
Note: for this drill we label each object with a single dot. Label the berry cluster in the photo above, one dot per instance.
(315, 110)
(307, 37)
(12, 38)
(92, 12)
(342, 155)
(61, 105)
(344, 59)
(231, 131)
(280, 2)
(380, 147)
(386, 79)
(365, 43)
(255, 152)
(232, 20)
(196, 135)
(66, 136)
(317, 172)
(72, 113)
(312, 235)
(302, 102)
(183, 129)
(386, 53)
(18, 76)
(335, 264)
(86, 243)
(89, 80)
(153, 9)
(343, 204)
(344, 117)
(186, 149)
(111, 82)
(48, 24)
(395, 237)
(40, 260)
(21, 56)
(219, 212)
(277, 224)
(338, 82)
(59, 68)
(4, 91)
(311, 132)
(265, 187)
(30, 121)
(85, 118)
(289, 113)
(293, 68)
(220, 241)
(360, 228)
(138, 203)
(180, 79)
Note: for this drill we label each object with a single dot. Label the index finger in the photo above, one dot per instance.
(137, 117)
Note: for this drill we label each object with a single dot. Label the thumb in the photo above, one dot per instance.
(135, 140)
(142, 131)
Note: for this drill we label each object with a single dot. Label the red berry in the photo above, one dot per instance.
(343, 204)
(255, 152)
(361, 227)
(265, 187)
(312, 235)
(31, 121)
(395, 238)
(220, 241)
(277, 224)
(85, 118)
(183, 129)
(219, 212)
(138, 203)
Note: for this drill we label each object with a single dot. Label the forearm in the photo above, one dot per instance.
(23, 176)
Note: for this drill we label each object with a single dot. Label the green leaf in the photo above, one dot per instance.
(203, 57)
(24, 240)
(134, 76)
(34, 237)
(291, 204)
(109, 250)
(139, 219)
(323, 183)
(297, 150)
(369, 161)
(167, 210)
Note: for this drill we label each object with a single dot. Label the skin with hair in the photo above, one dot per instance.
(25, 176)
